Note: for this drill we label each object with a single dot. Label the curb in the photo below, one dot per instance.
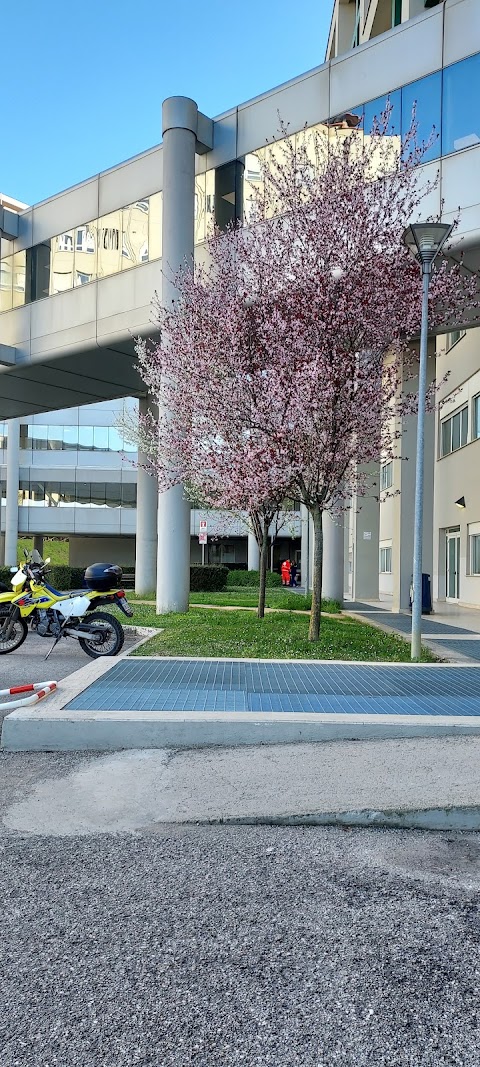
(441, 819)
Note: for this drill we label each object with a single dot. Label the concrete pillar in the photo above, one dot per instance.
(13, 478)
(146, 532)
(38, 544)
(253, 553)
(333, 537)
(185, 131)
(366, 535)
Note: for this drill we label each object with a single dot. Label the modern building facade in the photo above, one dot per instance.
(79, 270)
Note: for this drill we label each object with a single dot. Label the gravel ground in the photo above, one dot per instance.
(220, 946)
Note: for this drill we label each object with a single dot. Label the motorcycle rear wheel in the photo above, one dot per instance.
(111, 643)
(18, 634)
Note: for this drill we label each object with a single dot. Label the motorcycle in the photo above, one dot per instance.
(51, 613)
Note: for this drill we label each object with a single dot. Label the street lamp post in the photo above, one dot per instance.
(425, 240)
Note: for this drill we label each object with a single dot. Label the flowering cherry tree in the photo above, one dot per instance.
(279, 369)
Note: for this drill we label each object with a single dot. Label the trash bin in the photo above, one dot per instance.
(426, 595)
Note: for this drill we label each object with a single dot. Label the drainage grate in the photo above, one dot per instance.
(226, 685)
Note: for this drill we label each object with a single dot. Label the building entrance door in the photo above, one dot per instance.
(453, 564)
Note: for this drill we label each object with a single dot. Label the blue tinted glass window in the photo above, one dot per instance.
(427, 96)
(374, 109)
(461, 114)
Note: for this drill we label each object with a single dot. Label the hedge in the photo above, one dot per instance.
(210, 578)
(251, 578)
(202, 579)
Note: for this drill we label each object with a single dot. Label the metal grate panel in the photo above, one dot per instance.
(226, 685)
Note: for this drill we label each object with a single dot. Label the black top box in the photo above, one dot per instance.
(103, 576)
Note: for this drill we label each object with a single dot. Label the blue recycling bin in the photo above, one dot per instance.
(426, 595)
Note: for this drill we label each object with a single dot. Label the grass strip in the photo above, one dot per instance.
(239, 634)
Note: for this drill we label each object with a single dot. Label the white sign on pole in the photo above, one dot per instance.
(202, 537)
(367, 535)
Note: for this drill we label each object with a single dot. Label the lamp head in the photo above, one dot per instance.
(460, 503)
(426, 239)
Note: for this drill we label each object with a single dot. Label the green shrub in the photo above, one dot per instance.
(5, 577)
(209, 578)
(251, 578)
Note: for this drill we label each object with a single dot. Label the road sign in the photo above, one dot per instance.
(202, 537)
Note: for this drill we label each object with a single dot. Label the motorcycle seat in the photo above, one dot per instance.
(66, 592)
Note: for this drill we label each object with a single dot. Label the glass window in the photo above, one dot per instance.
(454, 432)
(61, 265)
(6, 283)
(453, 337)
(110, 229)
(100, 438)
(67, 494)
(38, 267)
(19, 278)
(426, 95)
(475, 554)
(386, 476)
(115, 443)
(135, 234)
(375, 108)
(3, 435)
(54, 438)
(85, 438)
(82, 494)
(476, 417)
(70, 438)
(113, 495)
(39, 437)
(97, 491)
(155, 226)
(129, 495)
(386, 560)
(461, 115)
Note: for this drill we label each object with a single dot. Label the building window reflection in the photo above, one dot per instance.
(72, 438)
(77, 494)
(461, 117)
(426, 96)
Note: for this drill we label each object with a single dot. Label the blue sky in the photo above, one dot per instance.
(86, 81)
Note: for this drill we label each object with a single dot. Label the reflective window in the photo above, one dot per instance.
(77, 494)
(476, 417)
(475, 554)
(386, 476)
(461, 115)
(426, 96)
(3, 435)
(72, 438)
(386, 560)
(375, 108)
(454, 432)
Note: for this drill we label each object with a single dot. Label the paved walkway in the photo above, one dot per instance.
(452, 632)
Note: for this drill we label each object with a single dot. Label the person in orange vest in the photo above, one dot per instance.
(285, 572)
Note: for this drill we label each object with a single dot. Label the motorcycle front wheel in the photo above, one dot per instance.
(112, 636)
(18, 634)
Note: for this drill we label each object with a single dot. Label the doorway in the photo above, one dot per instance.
(452, 567)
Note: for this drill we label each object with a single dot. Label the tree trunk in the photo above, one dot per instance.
(316, 610)
(263, 572)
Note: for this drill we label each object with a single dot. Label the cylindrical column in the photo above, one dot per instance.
(13, 477)
(179, 137)
(38, 544)
(253, 553)
(146, 532)
(333, 537)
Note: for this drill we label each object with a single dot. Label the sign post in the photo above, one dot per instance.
(202, 538)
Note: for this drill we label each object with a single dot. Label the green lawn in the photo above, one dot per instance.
(240, 634)
(243, 597)
(57, 550)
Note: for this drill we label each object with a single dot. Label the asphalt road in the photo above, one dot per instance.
(27, 664)
(221, 946)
